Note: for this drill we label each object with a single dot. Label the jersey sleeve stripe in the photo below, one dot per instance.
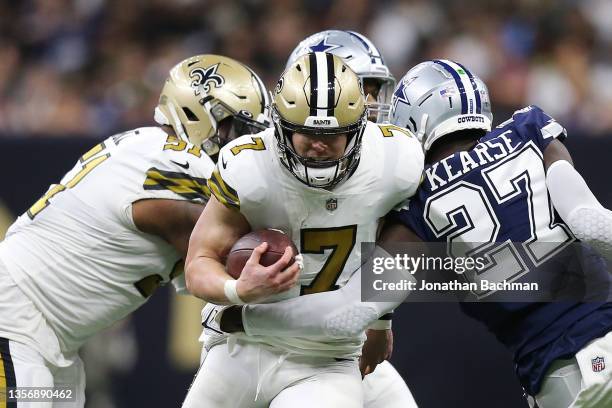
(191, 188)
(7, 374)
(227, 190)
(222, 191)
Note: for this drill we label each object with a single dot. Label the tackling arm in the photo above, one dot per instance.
(587, 218)
(339, 313)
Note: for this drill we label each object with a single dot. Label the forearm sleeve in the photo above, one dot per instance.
(587, 218)
(339, 313)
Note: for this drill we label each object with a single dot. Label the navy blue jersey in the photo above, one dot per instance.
(496, 193)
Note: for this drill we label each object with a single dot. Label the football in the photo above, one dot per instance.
(242, 249)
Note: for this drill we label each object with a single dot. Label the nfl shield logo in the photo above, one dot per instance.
(598, 364)
(331, 204)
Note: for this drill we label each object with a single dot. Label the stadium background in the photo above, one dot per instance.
(76, 71)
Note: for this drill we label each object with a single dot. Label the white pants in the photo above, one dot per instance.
(584, 381)
(385, 388)
(24, 337)
(22, 366)
(248, 375)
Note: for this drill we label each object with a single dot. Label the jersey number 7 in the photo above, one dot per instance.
(341, 241)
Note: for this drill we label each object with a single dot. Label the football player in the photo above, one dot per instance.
(501, 185)
(492, 186)
(362, 56)
(384, 388)
(96, 245)
(325, 176)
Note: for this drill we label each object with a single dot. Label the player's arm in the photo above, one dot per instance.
(171, 220)
(576, 204)
(339, 313)
(216, 231)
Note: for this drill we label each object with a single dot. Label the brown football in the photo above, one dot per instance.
(242, 249)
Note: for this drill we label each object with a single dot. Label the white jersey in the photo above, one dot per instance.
(76, 252)
(327, 226)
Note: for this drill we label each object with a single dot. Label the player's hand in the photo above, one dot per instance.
(376, 349)
(257, 282)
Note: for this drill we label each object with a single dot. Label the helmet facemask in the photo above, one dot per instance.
(319, 97)
(231, 125)
(379, 92)
(313, 172)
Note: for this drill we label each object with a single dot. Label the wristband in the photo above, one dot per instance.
(380, 325)
(229, 289)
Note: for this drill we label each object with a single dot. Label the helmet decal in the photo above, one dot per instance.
(205, 77)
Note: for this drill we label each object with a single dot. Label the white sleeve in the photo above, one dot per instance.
(339, 313)
(587, 218)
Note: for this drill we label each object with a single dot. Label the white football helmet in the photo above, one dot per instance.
(362, 57)
(439, 97)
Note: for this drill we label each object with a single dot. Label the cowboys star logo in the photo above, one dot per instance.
(204, 78)
(323, 46)
(400, 93)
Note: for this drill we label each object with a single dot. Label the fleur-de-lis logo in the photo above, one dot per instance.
(204, 78)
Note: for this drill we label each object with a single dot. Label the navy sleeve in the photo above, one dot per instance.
(532, 123)
(412, 217)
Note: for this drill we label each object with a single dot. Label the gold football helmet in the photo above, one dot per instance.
(319, 95)
(209, 100)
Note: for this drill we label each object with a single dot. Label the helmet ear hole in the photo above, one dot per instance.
(190, 115)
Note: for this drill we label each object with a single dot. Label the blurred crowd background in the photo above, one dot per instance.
(91, 68)
(94, 67)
